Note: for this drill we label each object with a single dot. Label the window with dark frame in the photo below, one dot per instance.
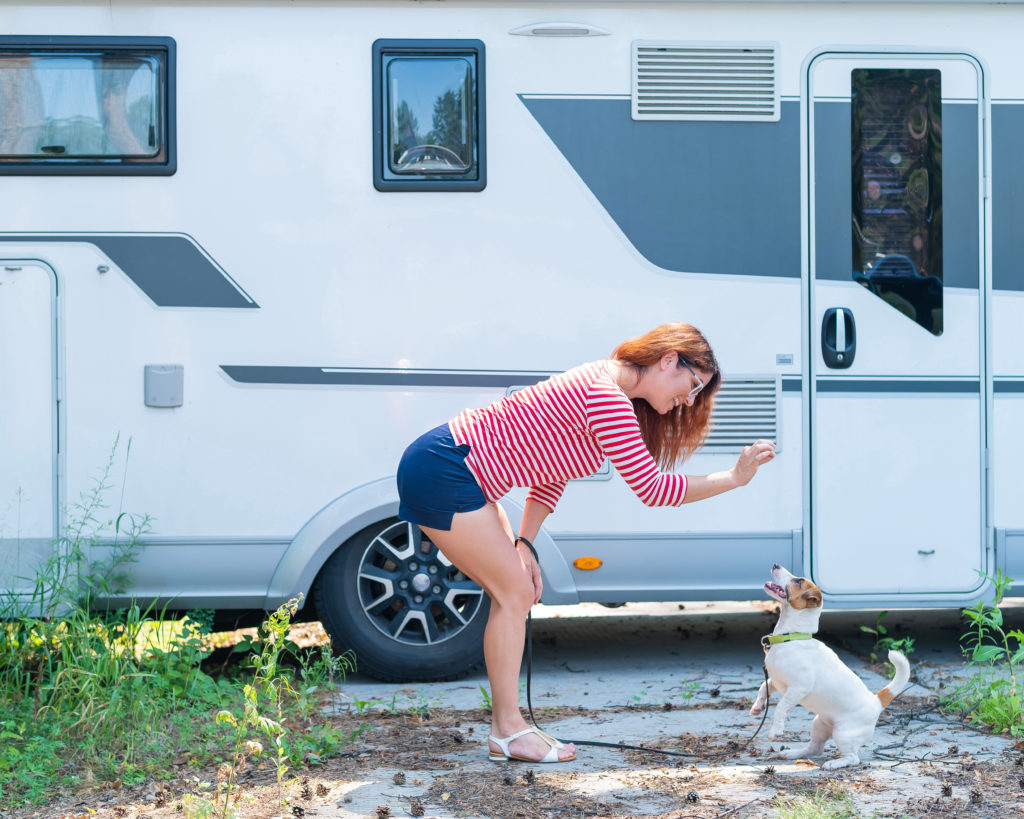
(897, 189)
(87, 105)
(428, 118)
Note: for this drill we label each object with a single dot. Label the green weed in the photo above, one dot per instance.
(270, 695)
(320, 669)
(267, 687)
(884, 642)
(199, 807)
(690, 689)
(420, 706)
(991, 696)
(828, 802)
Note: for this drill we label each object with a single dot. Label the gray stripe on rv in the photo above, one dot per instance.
(171, 270)
(1007, 197)
(355, 377)
(709, 197)
(894, 386)
(380, 378)
(724, 197)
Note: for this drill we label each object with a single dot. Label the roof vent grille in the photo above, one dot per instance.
(705, 81)
(746, 408)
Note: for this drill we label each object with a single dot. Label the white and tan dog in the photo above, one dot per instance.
(807, 672)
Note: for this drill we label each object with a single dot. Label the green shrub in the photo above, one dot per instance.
(991, 695)
(94, 696)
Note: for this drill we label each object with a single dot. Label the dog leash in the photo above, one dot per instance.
(529, 677)
(590, 742)
(594, 743)
(619, 745)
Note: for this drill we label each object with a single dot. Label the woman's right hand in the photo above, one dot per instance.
(752, 457)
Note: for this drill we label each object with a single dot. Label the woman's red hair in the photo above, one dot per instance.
(675, 436)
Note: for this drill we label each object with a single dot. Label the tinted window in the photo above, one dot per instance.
(897, 189)
(428, 115)
(84, 108)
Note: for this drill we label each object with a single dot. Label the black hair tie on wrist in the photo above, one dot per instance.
(529, 545)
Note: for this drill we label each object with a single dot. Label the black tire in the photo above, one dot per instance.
(391, 597)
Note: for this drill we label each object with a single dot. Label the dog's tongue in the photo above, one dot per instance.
(775, 588)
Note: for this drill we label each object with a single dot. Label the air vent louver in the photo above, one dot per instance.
(705, 81)
(746, 408)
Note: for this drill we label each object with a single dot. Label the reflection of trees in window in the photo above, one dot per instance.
(447, 148)
(406, 134)
(431, 105)
(450, 124)
(897, 189)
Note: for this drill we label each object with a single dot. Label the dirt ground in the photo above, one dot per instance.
(409, 764)
(422, 750)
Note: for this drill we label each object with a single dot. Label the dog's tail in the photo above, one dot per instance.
(898, 682)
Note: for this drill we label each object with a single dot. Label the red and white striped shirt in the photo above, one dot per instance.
(562, 428)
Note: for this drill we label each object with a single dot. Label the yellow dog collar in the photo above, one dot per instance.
(770, 640)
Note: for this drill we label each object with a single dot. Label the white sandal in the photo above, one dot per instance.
(550, 756)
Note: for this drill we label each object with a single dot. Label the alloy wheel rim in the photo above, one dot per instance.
(411, 592)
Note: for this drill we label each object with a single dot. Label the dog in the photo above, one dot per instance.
(807, 672)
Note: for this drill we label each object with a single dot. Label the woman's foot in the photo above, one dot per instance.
(529, 745)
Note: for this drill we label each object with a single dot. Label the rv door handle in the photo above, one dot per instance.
(838, 338)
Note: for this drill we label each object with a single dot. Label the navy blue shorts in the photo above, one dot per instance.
(434, 482)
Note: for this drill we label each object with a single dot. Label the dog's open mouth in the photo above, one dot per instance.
(776, 589)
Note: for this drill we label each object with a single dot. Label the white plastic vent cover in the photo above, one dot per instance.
(746, 408)
(705, 81)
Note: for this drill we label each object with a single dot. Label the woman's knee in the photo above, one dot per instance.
(515, 595)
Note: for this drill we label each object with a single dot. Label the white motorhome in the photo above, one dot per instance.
(274, 242)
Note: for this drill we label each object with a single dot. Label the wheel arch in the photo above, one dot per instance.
(375, 501)
(316, 541)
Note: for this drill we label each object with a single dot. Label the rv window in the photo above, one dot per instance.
(897, 189)
(76, 105)
(428, 115)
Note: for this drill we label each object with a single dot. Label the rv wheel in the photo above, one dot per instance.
(402, 607)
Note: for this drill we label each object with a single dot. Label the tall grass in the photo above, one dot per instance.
(91, 696)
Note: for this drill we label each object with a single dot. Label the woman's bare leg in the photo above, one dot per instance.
(480, 545)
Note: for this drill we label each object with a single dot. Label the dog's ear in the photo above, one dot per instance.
(812, 598)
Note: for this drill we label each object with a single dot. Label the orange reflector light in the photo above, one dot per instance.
(587, 563)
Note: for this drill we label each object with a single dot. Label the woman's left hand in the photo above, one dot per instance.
(531, 565)
(753, 456)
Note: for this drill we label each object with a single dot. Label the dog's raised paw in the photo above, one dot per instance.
(756, 709)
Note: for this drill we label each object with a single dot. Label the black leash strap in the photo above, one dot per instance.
(619, 745)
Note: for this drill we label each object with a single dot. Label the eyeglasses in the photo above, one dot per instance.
(700, 384)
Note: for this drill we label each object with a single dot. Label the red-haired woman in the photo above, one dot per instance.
(648, 406)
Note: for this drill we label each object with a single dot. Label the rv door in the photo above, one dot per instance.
(28, 426)
(896, 308)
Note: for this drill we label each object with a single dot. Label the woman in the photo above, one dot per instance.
(647, 406)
